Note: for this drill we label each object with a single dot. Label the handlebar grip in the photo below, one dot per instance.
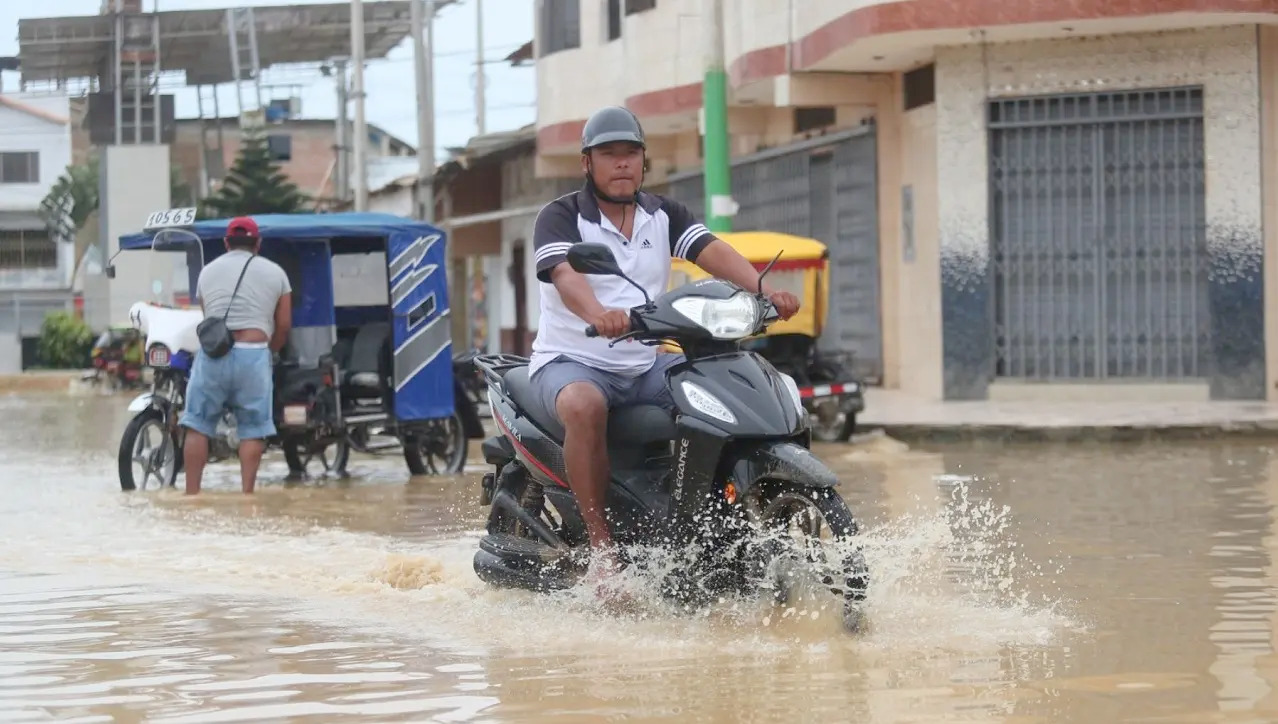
(591, 331)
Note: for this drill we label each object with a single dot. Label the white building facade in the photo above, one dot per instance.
(1019, 198)
(35, 271)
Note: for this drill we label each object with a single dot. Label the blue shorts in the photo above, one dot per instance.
(241, 381)
(618, 390)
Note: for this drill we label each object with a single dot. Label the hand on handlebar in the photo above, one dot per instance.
(612, 323)
(787, 304)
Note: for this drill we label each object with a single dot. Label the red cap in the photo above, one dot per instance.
(242, 226)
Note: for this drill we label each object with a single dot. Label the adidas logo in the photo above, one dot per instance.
(645, 244)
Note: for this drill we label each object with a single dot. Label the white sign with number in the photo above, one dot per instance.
(170, 217)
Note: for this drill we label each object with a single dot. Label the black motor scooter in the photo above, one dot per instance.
(722, 479)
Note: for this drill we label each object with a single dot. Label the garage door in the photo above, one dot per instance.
(1098, 235)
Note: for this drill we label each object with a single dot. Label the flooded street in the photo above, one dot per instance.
(1083, 583)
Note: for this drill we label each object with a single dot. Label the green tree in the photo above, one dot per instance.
(65, 342)
(254, 185)
(80, 184)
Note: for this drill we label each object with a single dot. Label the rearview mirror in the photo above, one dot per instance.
(110, 271)
(592, 258)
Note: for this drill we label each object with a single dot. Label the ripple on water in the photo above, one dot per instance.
(288, 604)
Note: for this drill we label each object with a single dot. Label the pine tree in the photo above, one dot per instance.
(254, 185)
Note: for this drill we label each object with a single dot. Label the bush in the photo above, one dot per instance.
(66, 342)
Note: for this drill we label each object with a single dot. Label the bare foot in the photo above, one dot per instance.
(602, 575)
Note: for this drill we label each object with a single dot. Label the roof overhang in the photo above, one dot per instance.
(196, 41)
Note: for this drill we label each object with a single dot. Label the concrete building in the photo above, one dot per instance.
(35, 271)
(306, 149)
(1013, 193)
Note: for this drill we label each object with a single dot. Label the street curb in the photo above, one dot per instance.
(43, 382)
(1021, 433)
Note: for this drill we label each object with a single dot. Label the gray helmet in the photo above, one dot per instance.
(610, 124)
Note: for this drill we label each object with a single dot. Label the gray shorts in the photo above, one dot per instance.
(618, 390)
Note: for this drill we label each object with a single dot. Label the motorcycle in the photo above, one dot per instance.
(722, 480)
(152, 439)
(116, 359)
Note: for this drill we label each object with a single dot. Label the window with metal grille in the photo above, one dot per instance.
(27, 249)
(20, 167)
(560, 26)
(638, 6)
(613, 20)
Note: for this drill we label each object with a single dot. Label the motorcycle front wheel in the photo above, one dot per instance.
(148, 456)
(810, 533)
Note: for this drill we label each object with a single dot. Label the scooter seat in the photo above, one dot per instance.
(362, 385)
(634, 425)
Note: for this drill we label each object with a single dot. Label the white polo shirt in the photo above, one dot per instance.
(662, 228)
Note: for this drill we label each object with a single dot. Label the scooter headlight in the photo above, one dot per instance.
(732, 318)
(706, 403)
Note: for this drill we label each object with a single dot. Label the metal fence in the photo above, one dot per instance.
(1098, 235)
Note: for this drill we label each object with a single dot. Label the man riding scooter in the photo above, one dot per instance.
(581, 378)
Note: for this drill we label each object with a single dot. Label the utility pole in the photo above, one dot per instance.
(343, 175)
(714, 119)
(360, 141)
(423, 31)
(481, 106)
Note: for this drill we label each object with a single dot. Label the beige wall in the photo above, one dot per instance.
(1222, 59)
(758, 24)
(918, 305)
(677, 60)
(663, 48)
(564, 93)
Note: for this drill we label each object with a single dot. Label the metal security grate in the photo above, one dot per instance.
(1098, 235)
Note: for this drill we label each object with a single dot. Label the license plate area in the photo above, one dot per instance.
(295, 415)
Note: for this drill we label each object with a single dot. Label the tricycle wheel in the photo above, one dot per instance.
(149, 454)
(299, 453)
(438, 447)
(829, 424)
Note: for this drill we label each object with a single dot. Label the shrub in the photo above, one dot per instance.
(65, 342)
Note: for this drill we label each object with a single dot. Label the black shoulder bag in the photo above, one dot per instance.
(215, 337)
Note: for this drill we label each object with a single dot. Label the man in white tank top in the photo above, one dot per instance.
(259, 315)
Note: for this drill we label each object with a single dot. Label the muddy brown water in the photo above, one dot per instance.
(1083, 583)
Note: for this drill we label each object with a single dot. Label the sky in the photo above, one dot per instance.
(390, 103)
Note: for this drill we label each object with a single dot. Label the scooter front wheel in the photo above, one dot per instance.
(810, 535)
(147, 447)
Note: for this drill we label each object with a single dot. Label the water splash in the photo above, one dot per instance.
(940, 578)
